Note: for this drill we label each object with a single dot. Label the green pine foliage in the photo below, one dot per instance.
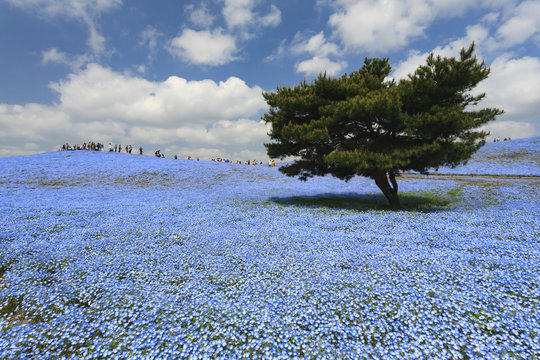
(364, 124)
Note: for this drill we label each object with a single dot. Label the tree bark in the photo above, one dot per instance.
(383, 180)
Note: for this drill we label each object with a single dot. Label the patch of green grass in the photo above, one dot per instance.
(5, 267)
(147, 179)
(56, 229)
(11, 306)
(515, 156)
(52, 182)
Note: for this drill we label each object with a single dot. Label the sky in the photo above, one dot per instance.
(187, 77)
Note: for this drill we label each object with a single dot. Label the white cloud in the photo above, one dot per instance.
(315, 45)
(54, 56)
(69, 8)
(200, 16)
(241, 14)
(405, 67)
(476, 33)
(19, 149)
(490, 18)
(207, 153)
(514, 86)
(523, 23)
(238, 13)
(451, 8)
(242, 131)
(150, 37)
(100, 93)
(273, 18)
(220, 133)
(511, 129)
(321, 50)
(84, 10)
(141, 69)
(244, 155)
(380, 26)
(219, 46)
(280, 52)
(96, 41)
(204, 47)
(318, 65)
(102, 105)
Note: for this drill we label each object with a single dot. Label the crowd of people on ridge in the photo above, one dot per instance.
(93, 146)
(498, 138)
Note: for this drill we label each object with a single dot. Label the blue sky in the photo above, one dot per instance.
(186, 77)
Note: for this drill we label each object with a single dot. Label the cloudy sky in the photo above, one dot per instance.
(186, 77)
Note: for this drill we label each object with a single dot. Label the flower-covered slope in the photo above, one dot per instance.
(513, 157)
(106, 255)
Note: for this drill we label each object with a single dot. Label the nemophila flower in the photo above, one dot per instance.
(152, 258)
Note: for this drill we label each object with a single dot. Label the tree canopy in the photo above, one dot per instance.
(368, 125)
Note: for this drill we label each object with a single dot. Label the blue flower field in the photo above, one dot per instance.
(114, 256)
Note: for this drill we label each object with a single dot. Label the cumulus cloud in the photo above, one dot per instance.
(220, 133)
(380, 26)
(219, 46)
(19, 149)
(321, 51)
(522, 24)
(514, 86)
(511, 129)
(476, 33)
(98, 93)
(74, 61)
(213, 153)
(100, 104)
(317, 65)
(238, 12)
(204, 47)
(316, 45)
(241, 14)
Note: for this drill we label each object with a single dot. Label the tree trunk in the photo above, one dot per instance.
(383, 180)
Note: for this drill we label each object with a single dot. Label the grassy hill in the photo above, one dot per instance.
(114, 255)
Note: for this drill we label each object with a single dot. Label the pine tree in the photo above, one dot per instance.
(363, 124)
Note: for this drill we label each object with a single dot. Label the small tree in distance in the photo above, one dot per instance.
(362, 124)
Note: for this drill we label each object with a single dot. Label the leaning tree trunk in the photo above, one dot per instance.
(386, 181)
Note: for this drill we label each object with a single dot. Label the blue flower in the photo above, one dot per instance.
(122, 256)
